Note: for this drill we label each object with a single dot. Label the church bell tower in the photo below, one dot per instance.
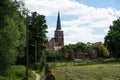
(59, 36)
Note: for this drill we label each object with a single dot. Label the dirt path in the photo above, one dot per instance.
(37, 75)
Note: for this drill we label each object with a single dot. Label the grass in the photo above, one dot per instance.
(106, 71)
(17, 73)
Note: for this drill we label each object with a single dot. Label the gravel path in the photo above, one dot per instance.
(37, 75)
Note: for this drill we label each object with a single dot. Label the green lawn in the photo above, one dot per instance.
(108, 71)
(17, 73)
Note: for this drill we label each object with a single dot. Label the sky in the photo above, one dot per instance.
(81, 20)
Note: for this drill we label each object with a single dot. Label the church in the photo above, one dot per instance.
(57, 41)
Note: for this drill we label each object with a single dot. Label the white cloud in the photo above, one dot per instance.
(80, 29)
(81, 34)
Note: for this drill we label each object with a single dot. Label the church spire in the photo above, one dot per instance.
(58, 27)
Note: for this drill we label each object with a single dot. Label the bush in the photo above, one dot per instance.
(17, 73)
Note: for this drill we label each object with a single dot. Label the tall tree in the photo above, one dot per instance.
(112, 39)
(20, 22)
(11, 32)
(37, 39)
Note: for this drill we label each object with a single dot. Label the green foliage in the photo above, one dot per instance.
(37, 34)
(66, 52)
(42, 61)
(112, 39)
(17, 73)
(8, 42)
(81, 48)
(20, 23)
(12, 34)
(103, 50)
(6, 9)
(75, 48)
(51, 56)
(61, 54)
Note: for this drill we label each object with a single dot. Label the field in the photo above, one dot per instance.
(106, 71)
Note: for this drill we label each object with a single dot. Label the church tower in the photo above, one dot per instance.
(57, 41)
(59, 36)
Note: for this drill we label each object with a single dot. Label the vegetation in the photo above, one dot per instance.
(112, 39)
(11, 34)
(42, 61)
(13, 20)
(101, 48)
(107, 71)
(37, 38)
(60, 55)
(78, 48)
(17, 73)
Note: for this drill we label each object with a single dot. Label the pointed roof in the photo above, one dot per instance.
(58, 27)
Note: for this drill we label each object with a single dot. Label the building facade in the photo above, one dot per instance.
(58, 40)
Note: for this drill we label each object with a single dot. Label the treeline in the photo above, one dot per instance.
(14, 20)
(78, 48)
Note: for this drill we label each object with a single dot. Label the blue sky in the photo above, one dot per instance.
(101, 3)
(82, 20)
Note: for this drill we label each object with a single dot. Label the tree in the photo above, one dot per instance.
(81, 48)
(51, 55)
(103, 50)
(37, 38)
(112, 39)
(20, 22)
(8, 45)
(12, 34)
